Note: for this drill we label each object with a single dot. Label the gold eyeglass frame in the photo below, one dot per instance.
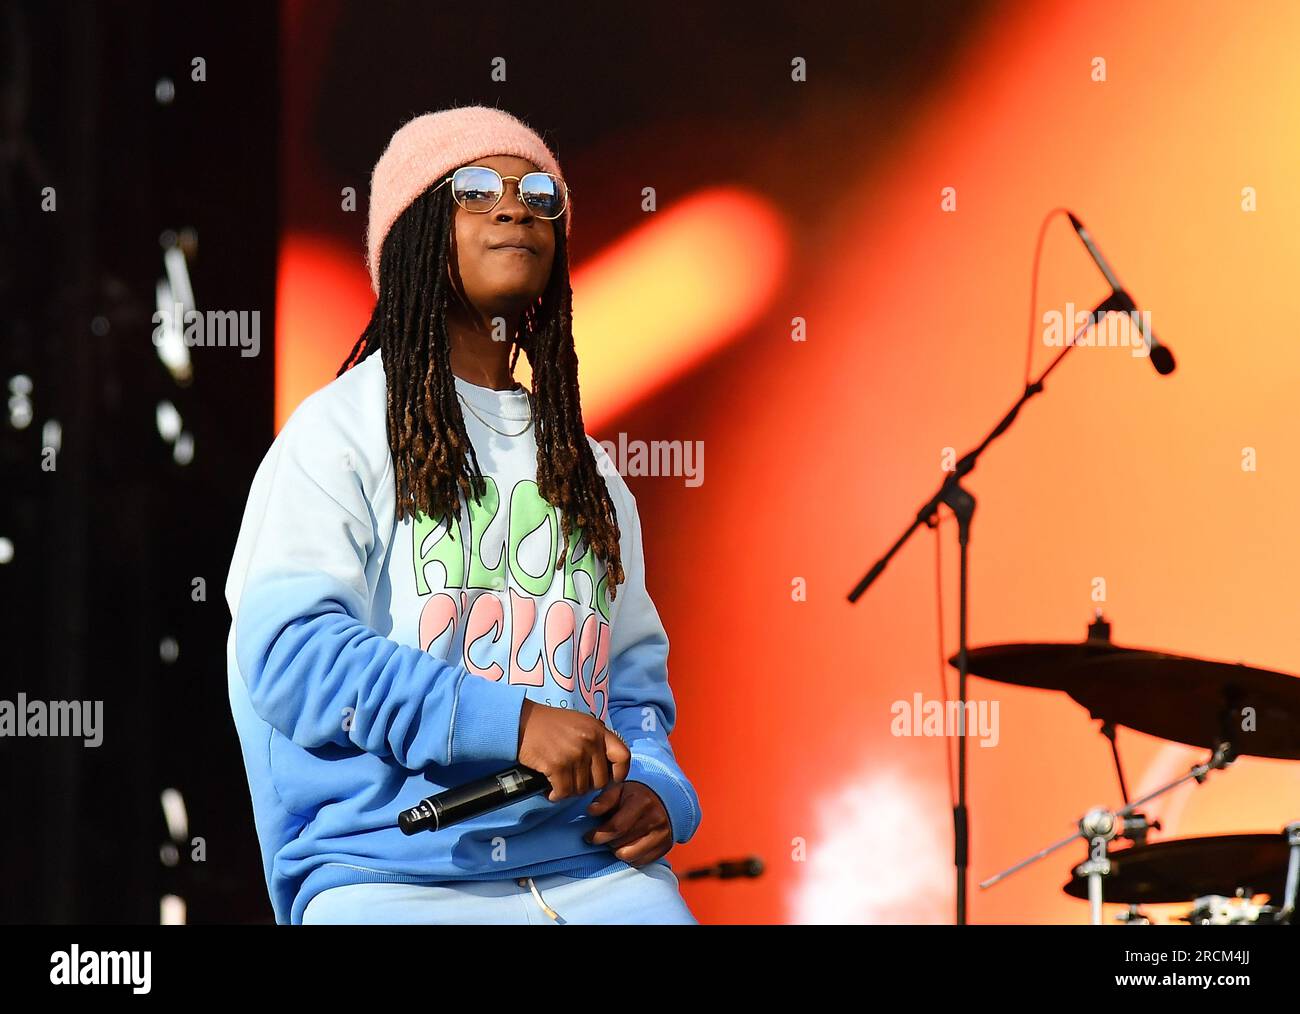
(504, 180)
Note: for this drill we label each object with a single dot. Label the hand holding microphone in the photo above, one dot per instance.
(561, 752)
(574, 750)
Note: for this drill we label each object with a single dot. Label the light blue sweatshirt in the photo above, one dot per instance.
(373, 663)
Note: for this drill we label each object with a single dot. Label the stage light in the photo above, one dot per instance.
(168, 420)
(52, 434)
(174, 299)
(168, 335)
(171, 911)
(20, 413)
(175, 814)
(183, 452)
(673, 292)
(20, 401)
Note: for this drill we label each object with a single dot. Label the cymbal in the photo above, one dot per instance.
(1184, 869)
(1045, 664)
(1198, 702)
(1189, 700)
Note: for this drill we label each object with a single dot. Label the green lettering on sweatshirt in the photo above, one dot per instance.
(481, 514)
(436, 542)
(528, 512)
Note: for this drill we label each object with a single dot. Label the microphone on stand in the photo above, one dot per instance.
(482, 795)
(1161, 358)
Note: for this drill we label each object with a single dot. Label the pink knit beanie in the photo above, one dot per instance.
(425, 150)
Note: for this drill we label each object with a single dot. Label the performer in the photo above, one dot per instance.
(440, 574)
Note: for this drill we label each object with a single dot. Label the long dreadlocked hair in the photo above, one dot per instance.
(433, 460)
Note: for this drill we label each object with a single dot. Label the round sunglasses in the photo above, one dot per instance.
(478, 189)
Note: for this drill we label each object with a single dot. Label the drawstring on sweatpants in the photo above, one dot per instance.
(538, 895)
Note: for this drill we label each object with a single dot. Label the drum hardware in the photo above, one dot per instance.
(1220, 874)
(1289, 892)
(1099, 826)
(1229, 708)
(1239, 910)
(1195, 701)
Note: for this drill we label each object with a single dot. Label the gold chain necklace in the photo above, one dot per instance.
(490, 426)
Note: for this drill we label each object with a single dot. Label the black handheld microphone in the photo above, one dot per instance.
(1161, 358)
(728, 869)
(469, 800)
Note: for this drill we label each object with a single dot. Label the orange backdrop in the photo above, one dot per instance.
(817, 452)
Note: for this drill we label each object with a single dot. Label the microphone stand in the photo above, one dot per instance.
(962, 504)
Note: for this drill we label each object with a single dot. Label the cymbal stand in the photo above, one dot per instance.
(1098, 826)
(1292, 873)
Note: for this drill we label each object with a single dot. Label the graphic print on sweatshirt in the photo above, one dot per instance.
(497, 604)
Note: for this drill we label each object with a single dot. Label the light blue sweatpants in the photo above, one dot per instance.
(629, 895)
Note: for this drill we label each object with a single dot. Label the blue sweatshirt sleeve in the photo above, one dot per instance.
(314, 670)
(641, 705)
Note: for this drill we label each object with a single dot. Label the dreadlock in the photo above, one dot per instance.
(433, 460)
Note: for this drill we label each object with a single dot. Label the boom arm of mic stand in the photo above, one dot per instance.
(1115, 301)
